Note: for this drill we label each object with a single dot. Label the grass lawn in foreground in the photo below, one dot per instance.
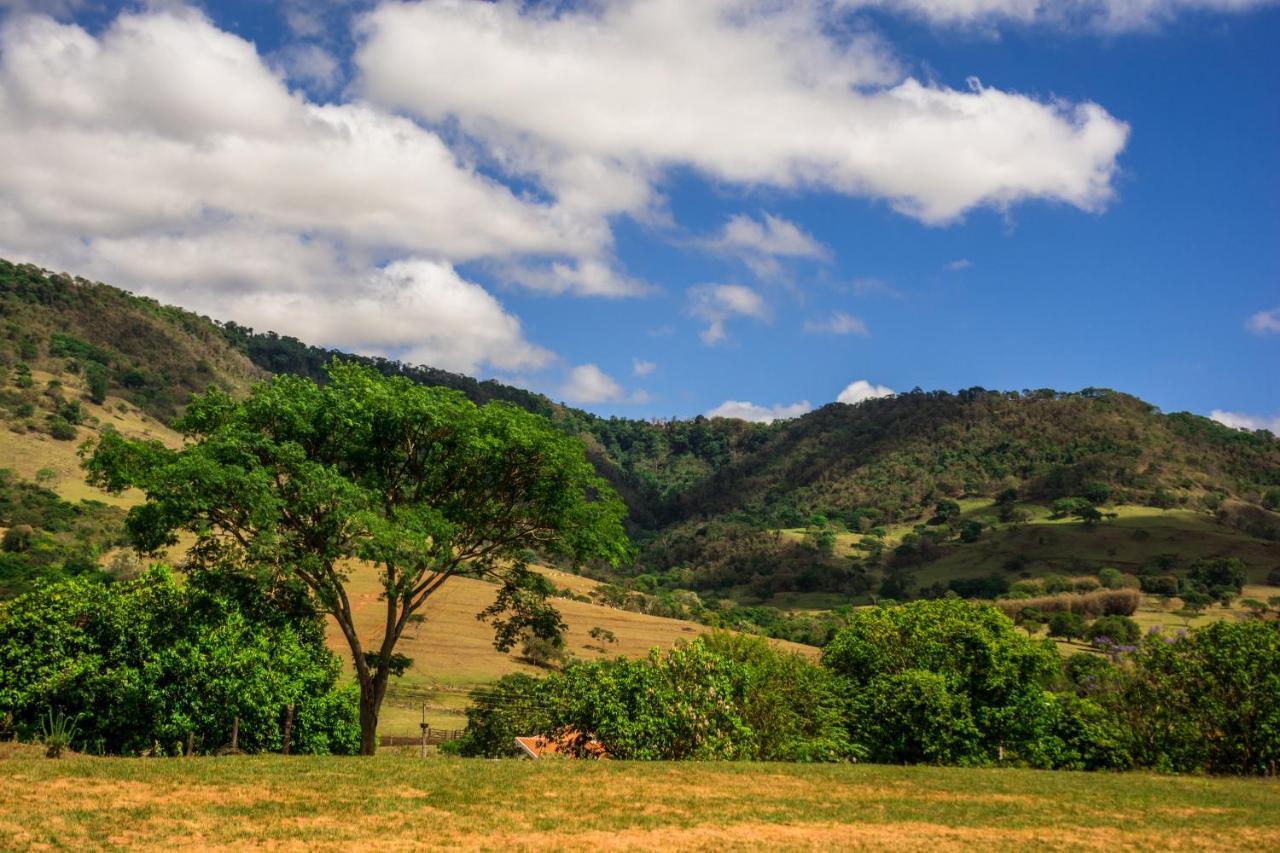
(397, 802)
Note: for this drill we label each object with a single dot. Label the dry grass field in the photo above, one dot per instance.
(453, 651)
(396, 802)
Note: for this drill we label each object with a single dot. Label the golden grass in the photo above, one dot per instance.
(394, 802)
(453, 651)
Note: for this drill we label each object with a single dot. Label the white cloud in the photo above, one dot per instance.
(640, 367)
(958, 265)
(583, 277)
(598, 101)
(838, 323)
(761, 243)
(746, 411)
(772, 235)
(587, 383)
(1240, 420)
(1104, 15)
(165, 155)
(1265, 322)
(717, 303)
(859, 390)
(165, 122)
(310, 63)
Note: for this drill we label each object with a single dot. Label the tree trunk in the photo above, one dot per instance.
(369, 706)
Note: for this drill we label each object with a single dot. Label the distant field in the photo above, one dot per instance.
(395, 802)
(1066, 546)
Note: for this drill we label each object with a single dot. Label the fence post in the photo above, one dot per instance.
(191, 743)
(288, 728)
(425, 730)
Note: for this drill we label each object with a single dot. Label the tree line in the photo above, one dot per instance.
(934, 682)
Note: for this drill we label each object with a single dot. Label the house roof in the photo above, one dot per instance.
(563, 745)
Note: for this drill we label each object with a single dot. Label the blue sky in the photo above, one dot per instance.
(653, 208)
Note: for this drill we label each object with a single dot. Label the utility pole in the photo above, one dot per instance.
(425, 729)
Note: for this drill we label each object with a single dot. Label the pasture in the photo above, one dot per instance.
(396, 802)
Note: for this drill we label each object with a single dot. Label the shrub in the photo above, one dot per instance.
(1065, 624)
(1111, 578)
(956, 660)
(1222, 572)
(18, 538)
(62, 430)
(1120, 630)
(150, 660)
(56, 733)
(1159, 584)
(1205, 701)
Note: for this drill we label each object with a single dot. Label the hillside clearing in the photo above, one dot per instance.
(453, 651)
(394, 802)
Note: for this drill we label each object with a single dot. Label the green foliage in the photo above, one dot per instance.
(147, 661)
(1119, 630)
(959, 664)
(1212, 575)
(719, 697)
(1206, 701)
(1065, 624)
(298, 479)
(516, 705)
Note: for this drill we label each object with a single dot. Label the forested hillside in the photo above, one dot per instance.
(898, 496)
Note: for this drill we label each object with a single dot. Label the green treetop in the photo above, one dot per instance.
(302, 480)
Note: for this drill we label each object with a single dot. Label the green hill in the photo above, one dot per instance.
(912, 493)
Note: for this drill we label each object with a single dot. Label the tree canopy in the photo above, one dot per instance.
(303, 480)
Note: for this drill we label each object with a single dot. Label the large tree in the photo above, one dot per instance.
(307, 481)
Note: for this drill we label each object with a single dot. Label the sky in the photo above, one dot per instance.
(665, 208)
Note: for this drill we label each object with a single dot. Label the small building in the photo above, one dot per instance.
(564, 745)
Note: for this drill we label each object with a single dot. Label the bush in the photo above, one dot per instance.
(1159, 584)
(62, 430)
(719, 697)
(958, 661)
(1120, 630)
(1219, 573)
(150, 660)
(1065, 624)
(1205, 702)
(1111, 578)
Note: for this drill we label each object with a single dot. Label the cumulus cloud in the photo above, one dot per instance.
(1104, 15)
(761, 243)
(1240, 420)
(640, 367)
(587, 383)
(717, 303)
(165, 121)
(857, 391)
(583, 277)
(597, 101)
(1264, 322)
(838, 323)
(166, 155)
(743, 410)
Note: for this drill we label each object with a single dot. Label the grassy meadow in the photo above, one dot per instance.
(397, 802)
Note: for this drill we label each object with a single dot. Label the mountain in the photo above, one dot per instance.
(914, 491)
